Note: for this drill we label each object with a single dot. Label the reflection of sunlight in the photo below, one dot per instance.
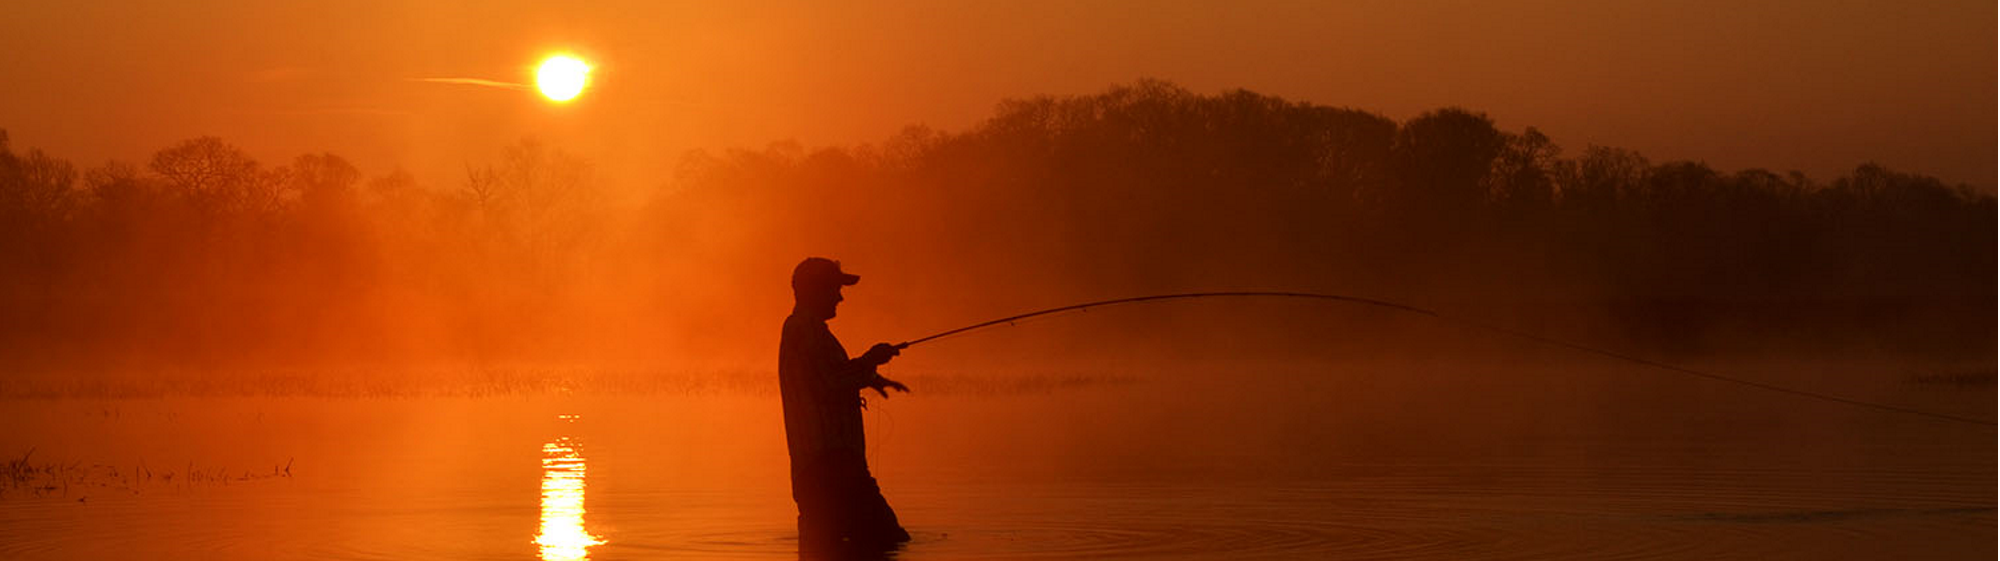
(563, 537)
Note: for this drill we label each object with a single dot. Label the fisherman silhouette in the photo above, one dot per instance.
(840, 507)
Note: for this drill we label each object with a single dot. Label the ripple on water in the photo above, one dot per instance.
(1504, 513)
(1390, 511)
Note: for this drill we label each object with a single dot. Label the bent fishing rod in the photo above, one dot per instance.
(1010, 320)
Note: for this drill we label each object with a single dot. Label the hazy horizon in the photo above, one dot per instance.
(506, 280)
(1802, 86)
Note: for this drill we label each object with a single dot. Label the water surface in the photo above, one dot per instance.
(1419, 462)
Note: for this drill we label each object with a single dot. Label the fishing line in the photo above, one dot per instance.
(883, 420)
(1010, 320)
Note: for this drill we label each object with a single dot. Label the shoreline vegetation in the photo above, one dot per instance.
(498, 381)
(31, 477)
(528, 380)
(204, 257)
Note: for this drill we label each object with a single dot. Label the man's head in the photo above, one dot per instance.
(816, 286)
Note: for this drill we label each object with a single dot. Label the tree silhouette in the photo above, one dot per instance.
(324, 180)
(212, 176)
(1523, 171)
(1442, 159)
(204, 254)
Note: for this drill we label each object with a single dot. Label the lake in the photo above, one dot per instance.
(1514, 460)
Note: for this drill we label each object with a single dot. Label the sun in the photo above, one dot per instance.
(561, 78)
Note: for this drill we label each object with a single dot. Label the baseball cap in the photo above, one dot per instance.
(820, 272)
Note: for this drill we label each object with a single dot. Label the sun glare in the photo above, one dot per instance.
(562, 78)
(563, 537)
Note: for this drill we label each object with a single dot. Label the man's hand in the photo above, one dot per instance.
(880, 354)
(882, 386)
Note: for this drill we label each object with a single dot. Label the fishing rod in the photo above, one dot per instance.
(1010, 320)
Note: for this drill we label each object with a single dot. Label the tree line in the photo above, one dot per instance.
(202, 253)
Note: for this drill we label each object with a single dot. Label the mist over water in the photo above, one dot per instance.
(207, 356)
(1528, 456)
(206, 258)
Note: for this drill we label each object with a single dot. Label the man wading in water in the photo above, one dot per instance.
(840, 507)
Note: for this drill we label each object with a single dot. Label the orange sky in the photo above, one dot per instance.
(1816, 86)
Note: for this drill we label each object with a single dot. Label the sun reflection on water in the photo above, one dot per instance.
(563, 537)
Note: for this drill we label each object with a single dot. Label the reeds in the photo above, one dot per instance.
(501, 381)
(26, 476)
(1957, 378)
(390, 382)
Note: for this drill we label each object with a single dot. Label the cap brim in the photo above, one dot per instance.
(847, 279)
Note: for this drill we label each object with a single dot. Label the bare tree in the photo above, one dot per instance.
(213, 176)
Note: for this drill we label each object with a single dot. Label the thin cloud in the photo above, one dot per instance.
(327, 111)
(475, 82)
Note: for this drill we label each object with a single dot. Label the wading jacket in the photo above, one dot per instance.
(821, 389)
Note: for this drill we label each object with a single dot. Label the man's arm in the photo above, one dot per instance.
(849, 374)
(860, 372)
(854, 374)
